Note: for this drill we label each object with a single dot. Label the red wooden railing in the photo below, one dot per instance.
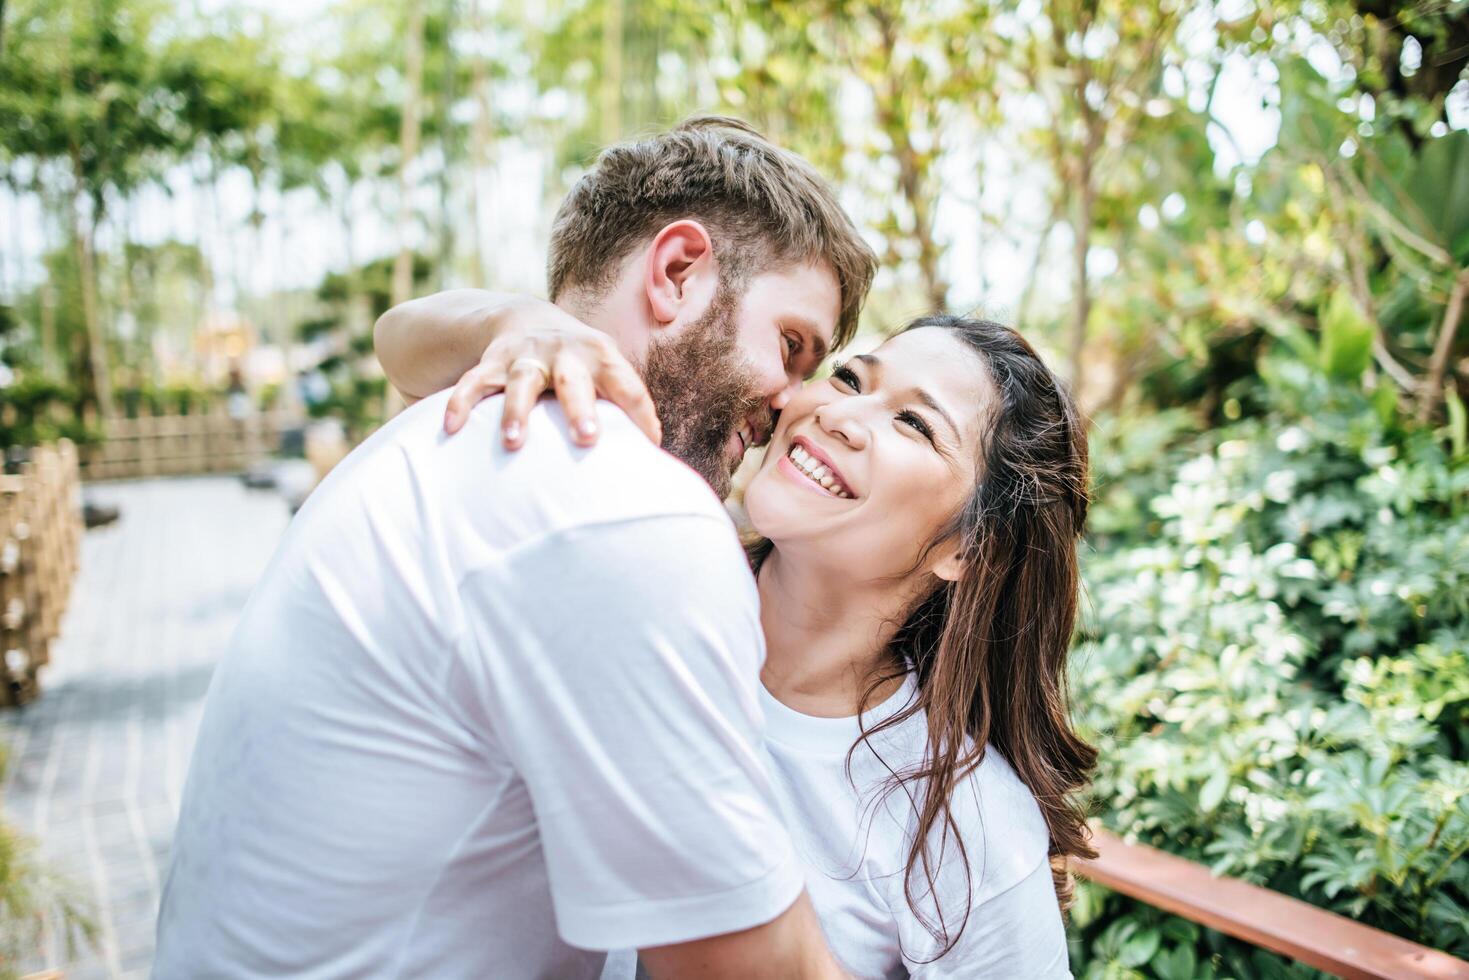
(1262, 917)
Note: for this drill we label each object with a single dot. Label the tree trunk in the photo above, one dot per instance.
(206, 239)
(1027, 294)
(408, 152)
(911, 178)
(48, 329)
(450, 151)
(1082, 300)
(911, 181)
(1433, 383)
(480, 137)
(97, 358)
(612, 74)
(83, 240)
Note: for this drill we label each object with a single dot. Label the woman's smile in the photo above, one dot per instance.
(807, 464)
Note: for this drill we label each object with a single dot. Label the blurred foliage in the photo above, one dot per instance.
(1274, 661)
(1277, 662)
(1107, 110)
(352, 386)
(30, 895)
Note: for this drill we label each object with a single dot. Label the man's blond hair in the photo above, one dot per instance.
(765, 209)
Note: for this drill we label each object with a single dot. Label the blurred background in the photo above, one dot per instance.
(1241, 230)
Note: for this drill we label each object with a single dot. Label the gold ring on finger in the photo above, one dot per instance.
(533, 363)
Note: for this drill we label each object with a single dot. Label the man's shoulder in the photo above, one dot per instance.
(623, 477)
(475, 496)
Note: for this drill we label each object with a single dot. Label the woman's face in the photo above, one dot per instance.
(867, 467)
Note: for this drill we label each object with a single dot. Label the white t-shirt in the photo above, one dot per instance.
(855, 851)
(484, 713)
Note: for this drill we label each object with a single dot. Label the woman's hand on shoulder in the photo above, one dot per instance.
(541, 347)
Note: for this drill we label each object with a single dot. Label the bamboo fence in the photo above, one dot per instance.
(40, 536)
(178, 445)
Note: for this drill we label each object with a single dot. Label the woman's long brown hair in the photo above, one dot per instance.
(990, 649)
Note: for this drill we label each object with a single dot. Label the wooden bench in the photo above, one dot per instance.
(1261, 917)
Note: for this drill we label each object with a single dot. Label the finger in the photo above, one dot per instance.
(578, 398)
(477, 384)
(622, 386)
(524, 386)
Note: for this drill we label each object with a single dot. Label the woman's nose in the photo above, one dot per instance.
(842, 424)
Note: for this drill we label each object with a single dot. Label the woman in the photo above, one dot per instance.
(919, 513)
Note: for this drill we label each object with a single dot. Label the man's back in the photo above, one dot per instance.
(473, 688)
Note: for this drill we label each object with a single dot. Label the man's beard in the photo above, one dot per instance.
(704, 392)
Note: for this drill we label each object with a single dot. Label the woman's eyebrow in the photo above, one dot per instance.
(874, 362)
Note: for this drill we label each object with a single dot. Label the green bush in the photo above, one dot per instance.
(357, 401)
(1275, 664)
(174, 398)
(30, 892)
(35, 409)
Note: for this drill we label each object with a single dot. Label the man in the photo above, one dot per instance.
(490, 713)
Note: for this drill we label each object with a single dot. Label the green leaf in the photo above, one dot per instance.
(1140, 948)
(1346, 338)
(1458, 424)
(1178, 963)
(1385, 403)
(1213, 792)
(1440, 188)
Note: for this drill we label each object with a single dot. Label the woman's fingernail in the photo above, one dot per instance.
(512, 432)
(586, 428)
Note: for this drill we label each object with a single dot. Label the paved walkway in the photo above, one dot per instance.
(97, 763)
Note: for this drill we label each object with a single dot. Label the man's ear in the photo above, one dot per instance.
(681, 276)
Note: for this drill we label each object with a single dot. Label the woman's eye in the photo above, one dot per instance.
(846, 377)
(915, 421)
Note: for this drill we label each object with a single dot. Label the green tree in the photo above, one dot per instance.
(1097, 67)
(76, 113)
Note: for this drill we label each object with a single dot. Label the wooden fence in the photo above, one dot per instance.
(40, 535)
(1261, 917)
(175, 445)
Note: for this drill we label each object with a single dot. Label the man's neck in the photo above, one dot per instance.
(615, 314)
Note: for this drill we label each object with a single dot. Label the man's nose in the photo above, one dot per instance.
(782, 398)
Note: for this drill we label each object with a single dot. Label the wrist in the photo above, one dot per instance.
(496, 318)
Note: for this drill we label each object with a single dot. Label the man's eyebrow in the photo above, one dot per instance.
(872, 361)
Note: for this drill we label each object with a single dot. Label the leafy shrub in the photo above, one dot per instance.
(35, 409)
(29, 893)
(1276, 667)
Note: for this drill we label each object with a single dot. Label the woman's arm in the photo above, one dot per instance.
(483, 343)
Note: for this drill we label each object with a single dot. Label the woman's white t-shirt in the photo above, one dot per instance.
(854, 844)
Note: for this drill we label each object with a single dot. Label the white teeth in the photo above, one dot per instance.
(818, 472)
